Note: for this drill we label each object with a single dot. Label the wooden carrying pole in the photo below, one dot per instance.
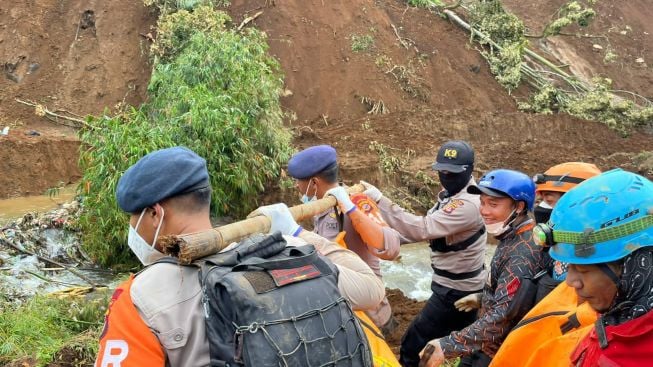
(189, 247)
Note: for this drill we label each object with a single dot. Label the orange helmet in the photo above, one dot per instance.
(565, 176)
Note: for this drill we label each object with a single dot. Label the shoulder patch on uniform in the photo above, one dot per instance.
(513, 286)
(453, 205)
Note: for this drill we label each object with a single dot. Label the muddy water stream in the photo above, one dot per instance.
(412, 272)
(17, 207)
(44, 232)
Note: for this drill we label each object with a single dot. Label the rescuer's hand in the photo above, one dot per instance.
(371, 191)
(280, 219)
(469, 303)
(341, 194)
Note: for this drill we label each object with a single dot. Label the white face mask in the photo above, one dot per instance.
(145, 252)
(499, 228)
(305, 198)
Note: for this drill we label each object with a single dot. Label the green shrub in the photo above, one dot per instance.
(221, 96)
(174, 30)
(215, 91)
(360, 43)
(44, 326)
(425, 3)
(169, 6)
(107, 151)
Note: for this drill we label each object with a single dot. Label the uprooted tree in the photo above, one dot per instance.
(504, 44)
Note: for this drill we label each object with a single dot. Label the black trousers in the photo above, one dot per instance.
(438, 318)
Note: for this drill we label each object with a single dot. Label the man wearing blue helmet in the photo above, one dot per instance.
(506, 198)
(604, 230)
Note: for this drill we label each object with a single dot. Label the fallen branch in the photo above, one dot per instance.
(476, 33)
(403, 43)
(45, 259)
(41, 110)
(248, 20)
(46, 279)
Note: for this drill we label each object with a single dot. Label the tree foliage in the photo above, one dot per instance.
(214, 90)
(554, 90)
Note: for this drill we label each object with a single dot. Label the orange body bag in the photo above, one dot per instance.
(538, 339)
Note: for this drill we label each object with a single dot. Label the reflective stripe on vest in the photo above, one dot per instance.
(126, 340)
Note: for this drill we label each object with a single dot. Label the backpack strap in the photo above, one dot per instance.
(298, 256)
(255, 246)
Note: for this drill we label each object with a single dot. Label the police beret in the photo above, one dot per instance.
(311, 161)
(160, 175)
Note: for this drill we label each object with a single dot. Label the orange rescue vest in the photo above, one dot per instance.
(381, 352)
(126, 340)
(549, 332)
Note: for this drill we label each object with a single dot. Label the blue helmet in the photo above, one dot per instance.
(506, 183)
(601, 220)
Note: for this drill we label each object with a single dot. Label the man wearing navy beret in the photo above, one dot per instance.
(315, 171)
(156, 318)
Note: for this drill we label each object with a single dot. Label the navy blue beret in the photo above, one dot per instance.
(160, 175)
(311, 161)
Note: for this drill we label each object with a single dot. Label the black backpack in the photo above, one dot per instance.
(266, 304)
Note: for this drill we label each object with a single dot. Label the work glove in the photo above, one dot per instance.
(341, 194)
(280, 219)
(469, 302)
(371, 191)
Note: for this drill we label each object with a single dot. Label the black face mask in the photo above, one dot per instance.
(542, 215)
(454, 182)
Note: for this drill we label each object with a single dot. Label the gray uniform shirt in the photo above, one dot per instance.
(168, 299)
(455, 218)
(327, 225)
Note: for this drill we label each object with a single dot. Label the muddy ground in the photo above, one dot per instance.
(80, 57)
(420, 69)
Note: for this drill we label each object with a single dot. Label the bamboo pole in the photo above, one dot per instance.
(189, 247)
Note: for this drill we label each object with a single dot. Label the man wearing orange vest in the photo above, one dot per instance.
(156, 318)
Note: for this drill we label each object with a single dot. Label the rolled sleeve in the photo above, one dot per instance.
(391, 242)
(440, 223)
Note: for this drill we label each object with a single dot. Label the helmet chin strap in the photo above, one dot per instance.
(608, 271)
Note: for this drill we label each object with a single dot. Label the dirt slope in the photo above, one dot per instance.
(456, 95)
(82, 57)
(313, 41)
(85, 57)
(621, 27)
